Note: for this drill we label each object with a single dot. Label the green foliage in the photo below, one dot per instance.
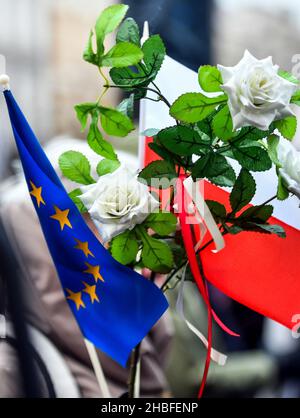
(282, 190)
(97, 143)
(215, 168)
(288, 76)
(156, 254)
(114, 122)
(182, 140)
(154, 53)
(124, 247)
(121, 55)
(193, 107)
(243, 191)
(83, 110)
(74, 195)
(257, 214)
(158, 170)
(163, 223)
(129, 32)
(76, 167)
(222, 124)
(210, 78)
(217, 210)
(287, 127)
(106, 166)
(251, 155)
(150, 133)
(126, 106)
(107, 22)
(88, 53)
(273, 141)
(296, 98)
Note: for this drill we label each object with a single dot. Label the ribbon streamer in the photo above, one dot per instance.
(195, 269)
(215, 355)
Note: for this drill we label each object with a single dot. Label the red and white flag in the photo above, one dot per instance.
(258, 270)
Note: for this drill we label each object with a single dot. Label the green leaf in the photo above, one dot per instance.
(210, 78)
(124, 248)
(215, 168)
(273, 141)
(257, 214)
(282, 191)
(251, 156)
(156, 255)
(88, 53)
(222, 124)
(126, 106)
(126, 77)
(193, 107)
(163, 223)
(158, 170)
(288, 76)
(217, 209)
(151, 132)
(296, 98)
(250, 133)
(161, 151)
(272, 229)
(129, 32)
(107, 22)
(154, 53)
(106, 166)
(74, 195)
(76, 167)
(83, 110)
(243, 191)
(287, 127)
(122, 54)
(114, 122)
(98, 144)
(182, 140)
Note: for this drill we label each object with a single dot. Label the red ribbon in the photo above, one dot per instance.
(202, 286)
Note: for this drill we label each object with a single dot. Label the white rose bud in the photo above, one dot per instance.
(117, 202)
(257, 94)
(289, 159)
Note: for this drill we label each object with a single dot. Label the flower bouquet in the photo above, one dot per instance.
(240, 121)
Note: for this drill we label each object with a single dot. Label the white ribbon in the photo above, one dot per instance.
(190, 186)
(218, 239)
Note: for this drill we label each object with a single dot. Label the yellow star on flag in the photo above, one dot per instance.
(76, 298)
(84, 247)
(94, 271)
(91, 291)
(37, 193)
(62, 217)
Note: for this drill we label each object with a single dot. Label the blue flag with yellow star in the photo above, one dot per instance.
(114, 306)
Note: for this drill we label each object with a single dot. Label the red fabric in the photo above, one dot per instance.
(258, 270)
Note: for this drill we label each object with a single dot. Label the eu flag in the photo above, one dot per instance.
(114, 306)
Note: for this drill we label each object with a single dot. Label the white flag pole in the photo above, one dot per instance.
(142, 121)
(97, 369)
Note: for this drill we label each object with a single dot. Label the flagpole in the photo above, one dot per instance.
(97, 369)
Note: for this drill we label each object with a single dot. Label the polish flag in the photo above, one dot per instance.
(258, 270)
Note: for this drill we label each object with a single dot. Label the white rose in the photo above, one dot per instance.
(289, 159)
(117, 202)
(257, 94)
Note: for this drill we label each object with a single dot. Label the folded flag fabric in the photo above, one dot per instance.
(260, 271)
(114, 306)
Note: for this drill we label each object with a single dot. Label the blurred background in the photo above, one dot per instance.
(43, 41)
